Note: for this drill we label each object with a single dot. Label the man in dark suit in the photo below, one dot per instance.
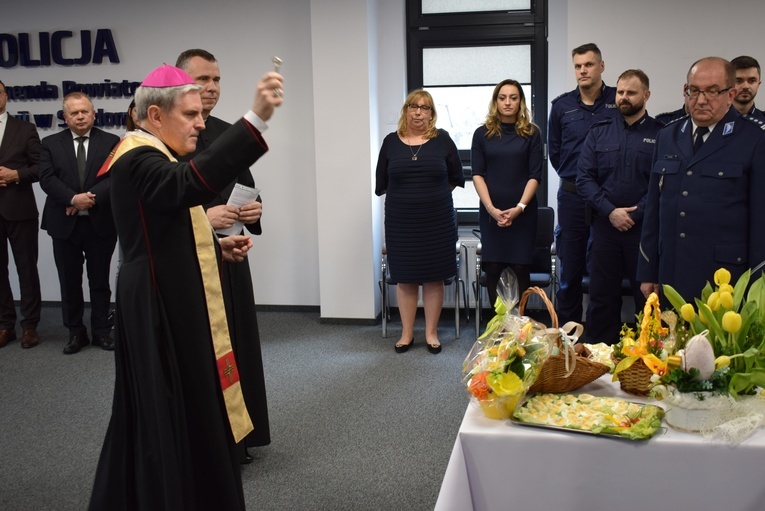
(19, 158)
(78, 218)
(236, 278)
(705, 207)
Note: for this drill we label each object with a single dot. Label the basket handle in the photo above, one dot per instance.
(540, 292)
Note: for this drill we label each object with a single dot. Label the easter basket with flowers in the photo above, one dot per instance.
(639, 355)
(568, 366)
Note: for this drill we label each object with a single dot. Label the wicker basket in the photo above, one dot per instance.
(552, 377)
(636, 379)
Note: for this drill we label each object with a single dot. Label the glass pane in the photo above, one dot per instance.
(444, 6)
(476, 65)
(462, 109)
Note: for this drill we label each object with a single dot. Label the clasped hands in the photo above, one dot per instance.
(81, 202)
(7, 176)
(224, 216)
(505, 217)
(621, 220)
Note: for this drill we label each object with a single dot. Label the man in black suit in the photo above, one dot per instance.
(19, 158)
(236, 278)
(78, 217)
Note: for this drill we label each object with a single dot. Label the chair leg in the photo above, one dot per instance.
(476, 291)
(385, 306)
(465, 301)
(457, 308)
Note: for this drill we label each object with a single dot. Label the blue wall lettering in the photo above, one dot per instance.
(17, 50)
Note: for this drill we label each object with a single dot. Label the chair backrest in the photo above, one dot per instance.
(542, 260)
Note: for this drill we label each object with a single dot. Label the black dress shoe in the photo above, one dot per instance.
(247, 458)
(76, 342)
(403, 348)
(434, 348)
(105, 341)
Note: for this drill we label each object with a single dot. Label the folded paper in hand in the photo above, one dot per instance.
(240, 196)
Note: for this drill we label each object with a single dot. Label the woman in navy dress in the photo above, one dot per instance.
(417, 169)
(507, 169)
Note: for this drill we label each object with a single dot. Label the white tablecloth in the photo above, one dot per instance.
(499, 465)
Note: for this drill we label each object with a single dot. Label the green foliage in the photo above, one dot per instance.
(687, 382)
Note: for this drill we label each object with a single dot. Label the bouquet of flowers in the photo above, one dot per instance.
(723, 359)
(726, 351)
(505, 361)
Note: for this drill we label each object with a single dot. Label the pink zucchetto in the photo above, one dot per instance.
(167, 76)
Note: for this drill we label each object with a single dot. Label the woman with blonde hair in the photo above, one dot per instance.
(506, 158)
(417, 169)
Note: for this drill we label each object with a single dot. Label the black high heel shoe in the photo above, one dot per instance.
(403, 348)
(434, 348)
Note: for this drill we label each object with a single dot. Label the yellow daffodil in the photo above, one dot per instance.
(714, 301)
(687, 312)
(722, 276)
(726, 300)
(731, 322)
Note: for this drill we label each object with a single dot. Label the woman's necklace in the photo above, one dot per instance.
(414, 155)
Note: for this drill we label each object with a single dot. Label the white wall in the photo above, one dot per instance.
(344, 67)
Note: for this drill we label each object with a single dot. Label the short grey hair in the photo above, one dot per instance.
(164, 97)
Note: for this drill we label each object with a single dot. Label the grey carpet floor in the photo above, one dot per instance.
(354, 425)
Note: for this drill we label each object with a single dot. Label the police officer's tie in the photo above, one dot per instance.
(700, 132)
(81, 158)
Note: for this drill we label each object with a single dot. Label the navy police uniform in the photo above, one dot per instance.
(757, 114)
(614, 169)
(704, 211)
(667, 117)
(570, 119)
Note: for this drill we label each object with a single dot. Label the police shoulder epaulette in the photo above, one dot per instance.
(562, 95)
(673, 121)
(754, 120)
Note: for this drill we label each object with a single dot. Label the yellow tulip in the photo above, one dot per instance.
(725, 287)
(714, 301)
(687, 312)
(731, 322)
(722, 361)
(722, 276)
(726, 300)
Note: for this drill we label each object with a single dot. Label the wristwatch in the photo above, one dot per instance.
(522, 206)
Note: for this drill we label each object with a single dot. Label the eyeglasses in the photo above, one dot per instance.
(693, 92)
(424, 108)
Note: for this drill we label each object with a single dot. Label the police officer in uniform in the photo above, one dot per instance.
(704, 209)
(614, 168)
(747, 82)
(571, 116)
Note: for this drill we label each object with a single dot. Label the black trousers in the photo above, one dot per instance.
(22, 236)
(84, 246)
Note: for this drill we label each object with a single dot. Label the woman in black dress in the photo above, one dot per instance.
(507, 169)
(417, 169)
